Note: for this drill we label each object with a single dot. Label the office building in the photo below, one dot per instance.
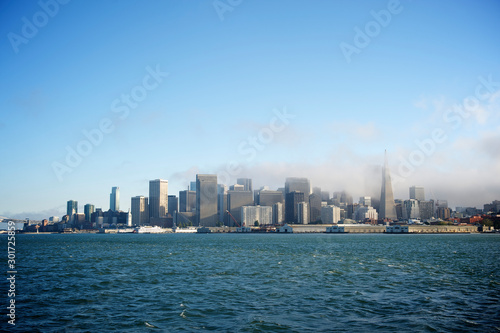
(158, 198)
(222, 203)
(443, 213)
(387, 208)
(71, 208)
(172, 204)
(426, 209)
(493, 207)
(298, 184)
(303, 213)
(365, 212)
(206, 200)
(291, 201)
(330, 214)
(278, 214)
(315, 206)
(246, 182)
(140, 210)
(88, 209)
(187, 201)
(114, 199)
(365, 201)
(417, 193)
(236, 200)
(269, 198)
(237, 187)
(411, 209)
(262, 214)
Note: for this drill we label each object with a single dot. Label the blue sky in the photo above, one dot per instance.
(232, 67)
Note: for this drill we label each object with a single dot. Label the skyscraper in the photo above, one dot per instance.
(71, 207)
(158, 198)
(206, 200)
(114, 199)
(140, 210)
(187, 201)
(88, 209)
(387, 207)
(303, 213)
(291, 201)
(246, 182)
(298, 184)
(236, 200)
(173, 204)
(315, 207)
(417, 193)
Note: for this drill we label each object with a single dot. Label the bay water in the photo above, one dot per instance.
(255, 283)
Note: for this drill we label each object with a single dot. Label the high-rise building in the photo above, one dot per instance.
(426, 209)
(417, 193)
(443, 212)
(269, 198)
(140, 210)
(330, 214)
(187, 201)
(315, 206)
(298, 184)
(246, 182)
(303, 213)
(206, 200)
(71, 207)
(365, 201)
(365, 212)
(237, 187)
(411, 209)
(493, 207)
(222, 203)
(114, 199)
(262, 214)
(173, 204)
(88, 209)
(278, 214)
(236, 200)
(291, 201)
(158, 198)
(387, 207)
(399, 208)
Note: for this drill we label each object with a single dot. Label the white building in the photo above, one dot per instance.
(411, 209)
(262, 214)
(397, 229)
(278, 216)
(286, 229)
(365, 212)
(365, 201)
(303, 213)
(335, 229)
(330, 214)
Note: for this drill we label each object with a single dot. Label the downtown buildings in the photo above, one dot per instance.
(207, 203)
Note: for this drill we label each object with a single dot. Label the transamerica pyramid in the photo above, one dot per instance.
(387, 207)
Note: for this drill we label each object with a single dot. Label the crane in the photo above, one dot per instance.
(236, 222)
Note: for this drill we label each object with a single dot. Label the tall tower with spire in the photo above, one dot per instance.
(387, 207)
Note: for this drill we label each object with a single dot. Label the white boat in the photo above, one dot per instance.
(147, 229)
(187, 230)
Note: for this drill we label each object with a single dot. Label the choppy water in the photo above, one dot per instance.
(257, 283)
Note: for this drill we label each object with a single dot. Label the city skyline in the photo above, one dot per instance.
(262, 91)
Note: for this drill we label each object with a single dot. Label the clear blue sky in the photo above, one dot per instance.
(230, 69)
